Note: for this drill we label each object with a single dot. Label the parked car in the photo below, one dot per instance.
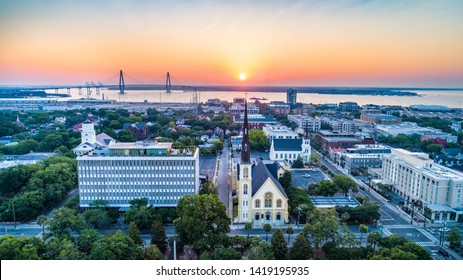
(443, 252)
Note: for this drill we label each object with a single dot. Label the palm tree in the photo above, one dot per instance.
(363, 229)
(373, 239)
(267, 229)
(248, 227)
(289, 232)
(41, 221)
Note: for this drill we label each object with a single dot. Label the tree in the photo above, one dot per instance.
(417, 250)
(373, 239)
(344, 183)
(21, 248)
(153, 253)
(202, 221)
(41, 221)
(14, 178)
(227, 254)
(248, 227)
(286, 180)
(315, 159)
(218, 145)
(345, 238)
(126, 136)
(298, 163)
(68, 251)
(392, 241)
(259, 141)
(454, 238)
(140, 213)
(51, 142)
(209, 188)
(28, 204)
(117, 246)
(322, 225)
(158, 236)
(300, 249)
(323, 188)
(134, 233)
(267, 229)
(96, 217)
(279, 245)
(434, 148)
(363, 229)
(87, 239)
(364, 213)
(289, 232)
(65, 221)
(345, 217)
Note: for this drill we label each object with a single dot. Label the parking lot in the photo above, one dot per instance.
(303, 178)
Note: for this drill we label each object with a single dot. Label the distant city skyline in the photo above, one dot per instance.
(252, 43)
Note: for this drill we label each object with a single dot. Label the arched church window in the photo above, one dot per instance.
(279, 203)
(245, 189)
(268, 200)
(257, 203)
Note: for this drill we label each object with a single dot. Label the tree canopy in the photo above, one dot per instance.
(202, 221)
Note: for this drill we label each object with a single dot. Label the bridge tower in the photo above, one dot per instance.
(121, 83)
(168, 83)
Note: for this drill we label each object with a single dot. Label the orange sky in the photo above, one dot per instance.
(312, 43)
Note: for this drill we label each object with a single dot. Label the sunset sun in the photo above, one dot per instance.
(242, 76)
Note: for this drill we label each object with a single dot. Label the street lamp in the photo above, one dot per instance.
(14, 214)
(413, 211)
(424, 214)
(442, 235)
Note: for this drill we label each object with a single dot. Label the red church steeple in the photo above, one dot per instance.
(245, 144)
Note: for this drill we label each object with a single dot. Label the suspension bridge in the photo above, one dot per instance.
(90, 87)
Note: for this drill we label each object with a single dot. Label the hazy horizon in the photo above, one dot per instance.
(355, 43)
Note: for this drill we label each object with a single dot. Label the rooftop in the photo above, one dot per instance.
(287, 145)
(35, 156)
(257, 118)
(381, 116)
(141, 145)
(331, 202)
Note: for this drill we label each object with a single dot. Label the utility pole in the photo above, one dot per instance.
(14, 215)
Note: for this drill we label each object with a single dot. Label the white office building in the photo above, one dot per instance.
(128, 171)
(339, 125)
(422, 182)
(304, 122)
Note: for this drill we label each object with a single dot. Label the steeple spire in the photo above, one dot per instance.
(245, 144)
(306, 133)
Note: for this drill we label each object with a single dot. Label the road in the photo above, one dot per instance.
(392, 222)
(223, 178)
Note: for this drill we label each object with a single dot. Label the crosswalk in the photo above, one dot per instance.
(398, 226)
(426, 244)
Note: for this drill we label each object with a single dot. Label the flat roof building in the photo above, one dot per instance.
(121, 172)
(304, 122)
(379, 118)
(423, 183)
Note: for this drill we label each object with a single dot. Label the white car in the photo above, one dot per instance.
(307, 175)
